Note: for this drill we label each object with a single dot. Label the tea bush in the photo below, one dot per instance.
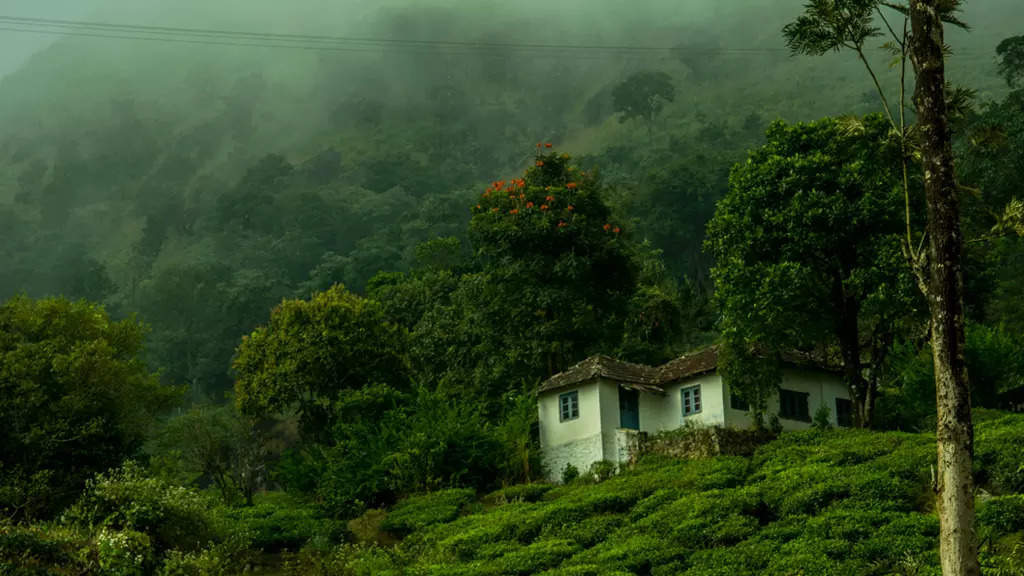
(820, 502)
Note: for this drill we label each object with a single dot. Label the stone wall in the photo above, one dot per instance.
(705, 442)
(580, 453)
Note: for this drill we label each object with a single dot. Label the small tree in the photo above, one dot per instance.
(313, 354)
(642, 96)
(1011, 60)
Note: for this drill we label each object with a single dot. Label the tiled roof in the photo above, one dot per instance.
(651, 379)
(689, 365)
(636, 375)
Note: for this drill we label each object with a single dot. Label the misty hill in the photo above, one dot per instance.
(197, 185)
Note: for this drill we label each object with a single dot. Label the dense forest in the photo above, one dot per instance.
(283, 300)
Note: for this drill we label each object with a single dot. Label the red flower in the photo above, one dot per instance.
(522, 196)
(570, 207)
(548, 145)
(607, 227)
(562, 224)
(540, 163)
(617, 230)
(543, 207)
(478, 207)
(529, 204)
(571, 185)
(514, 211)
(538, 144)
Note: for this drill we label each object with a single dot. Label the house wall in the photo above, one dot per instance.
(712, 411)
(822, 387)
(610, 420)
(578, 442)
(596, 435)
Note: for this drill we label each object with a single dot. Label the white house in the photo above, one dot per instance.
(597, 409)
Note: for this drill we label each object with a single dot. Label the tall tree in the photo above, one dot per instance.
(642, 96)
(833, 25)
(958, 547)
(807, 250)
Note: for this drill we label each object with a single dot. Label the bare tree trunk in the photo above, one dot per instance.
(957, 541)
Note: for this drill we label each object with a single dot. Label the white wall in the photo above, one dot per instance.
(553, 432)
(579, 442)
(712, 412)
(821, 387)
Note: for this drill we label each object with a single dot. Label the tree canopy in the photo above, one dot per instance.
(75, 399)
(807, 251)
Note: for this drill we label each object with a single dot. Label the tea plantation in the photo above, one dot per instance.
(833, 502)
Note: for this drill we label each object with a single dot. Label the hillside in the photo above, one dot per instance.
(260, 173)
(812, 503)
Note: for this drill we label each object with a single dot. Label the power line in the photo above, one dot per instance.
(172, 31)
(314, 42)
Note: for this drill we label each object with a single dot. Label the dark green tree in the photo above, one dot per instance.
(806, 248)
(313, 354)
(75, 399)
(642, 96)
(1011, 59)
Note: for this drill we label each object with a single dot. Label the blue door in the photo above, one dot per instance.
(629, 409)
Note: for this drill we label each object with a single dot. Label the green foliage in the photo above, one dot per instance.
(827, 25)
(821, 418)
(642, 96)
(278, 522)
(570, 473)
(1011, 59)
(817, 502)
(418, 512)
(72, 390)
(210, 444)
(807, 247)
(999, 455)
(314, 352)
(126, 499)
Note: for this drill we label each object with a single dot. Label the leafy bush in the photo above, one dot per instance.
(172, 517)
(999, 452)
(602, 470)
(570, 473)
(277, 522)
(41, 549)
(421, 511)
(519, 493)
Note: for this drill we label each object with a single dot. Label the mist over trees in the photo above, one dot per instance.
(310, 263)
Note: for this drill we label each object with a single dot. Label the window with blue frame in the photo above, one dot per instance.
(569, 406)
(691, 400)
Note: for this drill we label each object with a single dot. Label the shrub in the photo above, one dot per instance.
(602, 470)
(421, 511)
(124, 553)
(519, 493)
(277, 522)
(41, 549)
(570, 473)
(821, 418)
(126, 499)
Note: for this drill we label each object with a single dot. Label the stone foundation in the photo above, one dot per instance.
(580, 453)
(706, 442)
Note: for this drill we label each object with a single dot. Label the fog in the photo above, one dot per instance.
(195, 178)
